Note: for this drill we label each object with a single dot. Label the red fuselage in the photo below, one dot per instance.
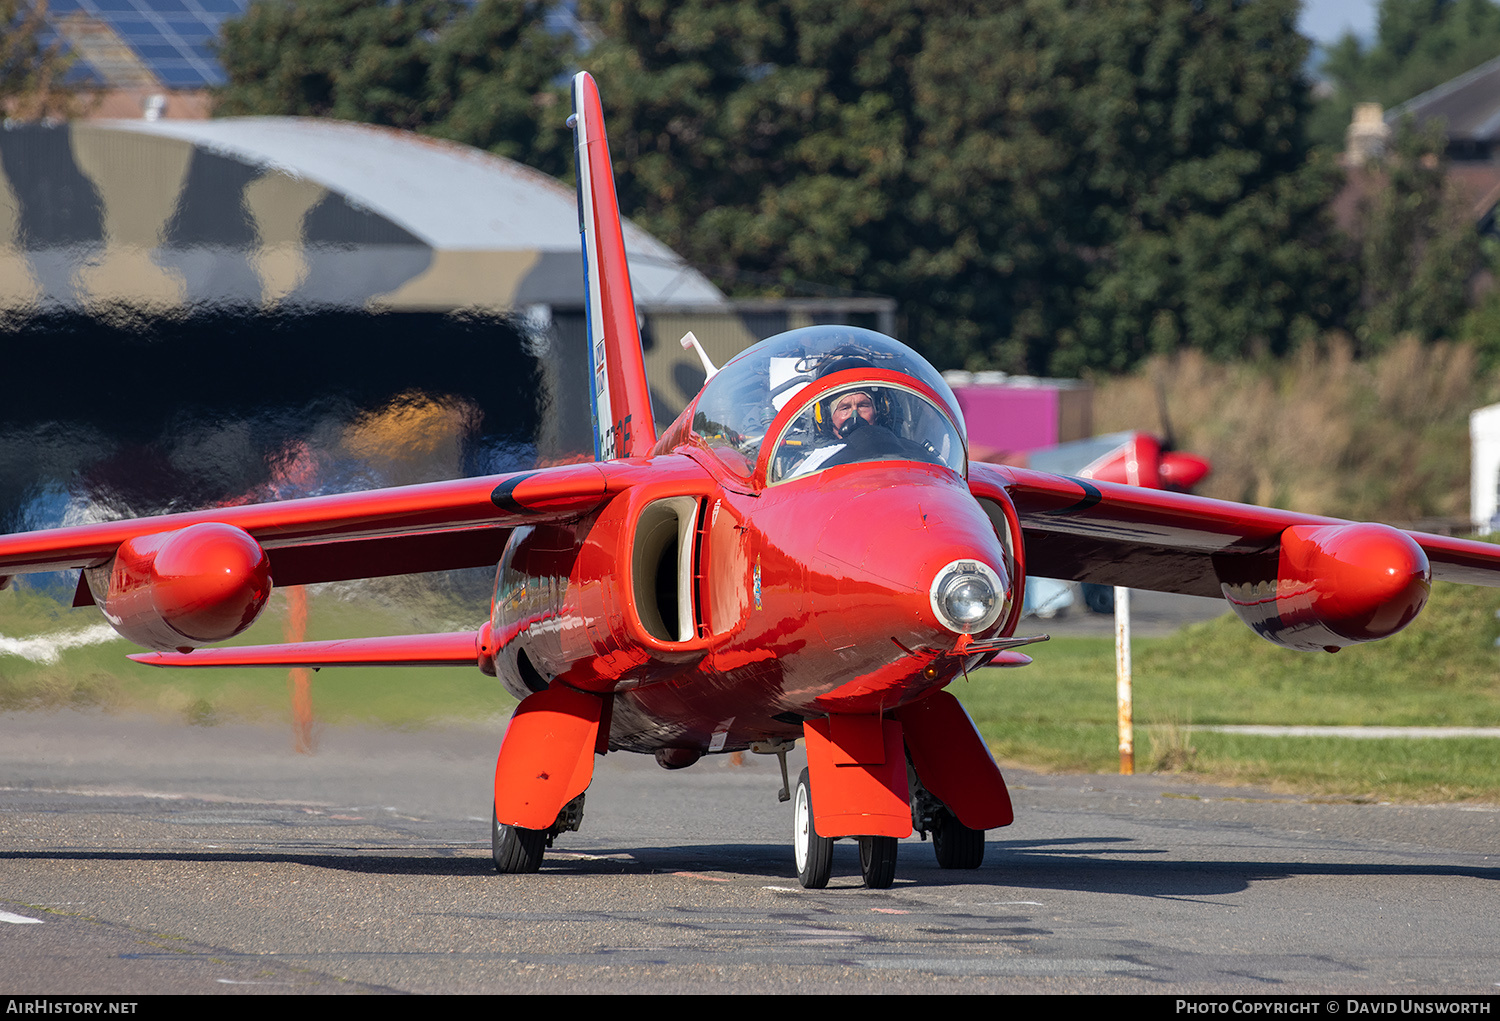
(719, 615)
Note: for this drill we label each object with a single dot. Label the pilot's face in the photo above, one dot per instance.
(849, 405)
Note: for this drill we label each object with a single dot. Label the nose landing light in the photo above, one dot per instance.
(967, 596)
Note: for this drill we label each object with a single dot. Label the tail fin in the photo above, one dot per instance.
(619, 397)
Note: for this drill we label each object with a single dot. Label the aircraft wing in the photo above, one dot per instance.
(1082, 530)
(409, 529)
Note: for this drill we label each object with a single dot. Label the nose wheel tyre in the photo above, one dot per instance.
(516, 849)
(877, 860)
(814, 854)
(957, 846)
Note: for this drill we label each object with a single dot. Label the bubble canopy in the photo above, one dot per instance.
(790, 388)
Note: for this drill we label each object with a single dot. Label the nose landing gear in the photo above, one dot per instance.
(814, 854)
(877, 861)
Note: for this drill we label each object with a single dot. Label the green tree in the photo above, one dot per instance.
(1000, 240)
(767, 136)
(1044, 184)
(333, 58)
(1418, 249)
(1200, 212)
(494, 83)
(483, 74)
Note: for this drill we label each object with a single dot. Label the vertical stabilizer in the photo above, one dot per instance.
(619, 397)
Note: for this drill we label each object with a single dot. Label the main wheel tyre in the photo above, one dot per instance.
(877, 860)
(516, 849)
(957, 846)
(1099, 598)
(814, 854)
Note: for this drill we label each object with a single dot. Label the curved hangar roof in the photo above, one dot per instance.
(267, 210)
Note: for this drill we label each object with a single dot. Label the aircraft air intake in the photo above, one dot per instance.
(662, 568)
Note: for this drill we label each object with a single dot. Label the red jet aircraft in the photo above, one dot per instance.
(806, 553)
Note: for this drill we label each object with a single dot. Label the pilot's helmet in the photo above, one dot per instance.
(843, 358)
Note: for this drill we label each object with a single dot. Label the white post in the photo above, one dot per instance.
(1122, 681)
(1484, 466)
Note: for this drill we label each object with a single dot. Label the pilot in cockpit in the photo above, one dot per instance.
(852, 426)
(886, 418)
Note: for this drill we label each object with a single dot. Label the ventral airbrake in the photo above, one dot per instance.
(806, 553)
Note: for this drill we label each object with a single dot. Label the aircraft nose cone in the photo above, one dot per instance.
(911, 562)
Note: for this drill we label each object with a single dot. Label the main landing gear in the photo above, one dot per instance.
(956, 845)
(517, 849)
(814, 854)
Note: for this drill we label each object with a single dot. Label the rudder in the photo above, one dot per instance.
(618, 394)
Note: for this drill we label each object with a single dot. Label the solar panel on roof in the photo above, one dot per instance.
(174, 39)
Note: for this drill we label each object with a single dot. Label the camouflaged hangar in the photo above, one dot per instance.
(287, 273)
(263, 210)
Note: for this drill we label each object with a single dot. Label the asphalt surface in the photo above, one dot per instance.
(139, 856)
